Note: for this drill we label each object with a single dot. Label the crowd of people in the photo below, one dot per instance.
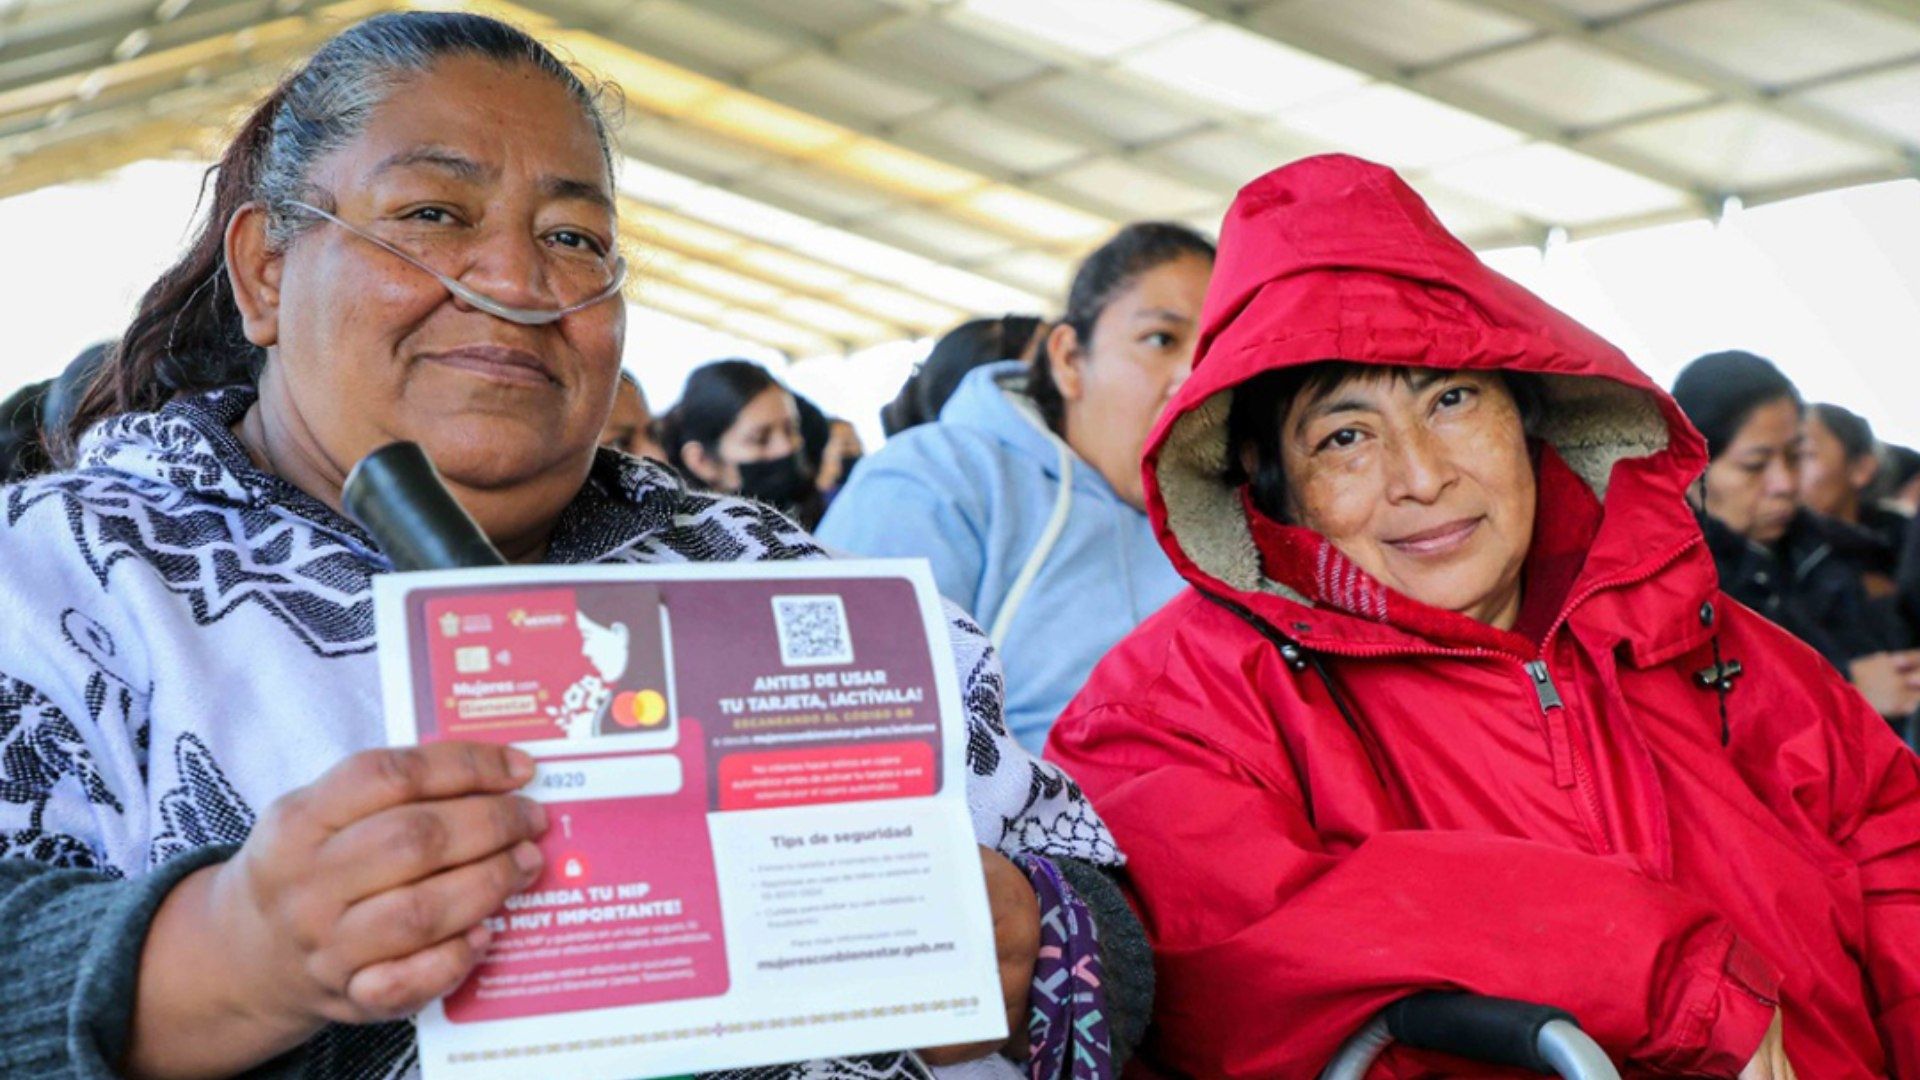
(1376, 627)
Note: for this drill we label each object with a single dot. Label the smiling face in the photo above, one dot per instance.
(1423, 479)
(1753, 486)
(493, 175)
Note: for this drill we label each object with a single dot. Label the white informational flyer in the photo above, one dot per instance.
(759, 847)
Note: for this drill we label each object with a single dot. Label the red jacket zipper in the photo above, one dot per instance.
(1540, 678)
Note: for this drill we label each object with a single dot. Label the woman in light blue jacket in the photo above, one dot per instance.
(1026, 495)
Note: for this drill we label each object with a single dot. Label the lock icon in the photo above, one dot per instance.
(573, 868)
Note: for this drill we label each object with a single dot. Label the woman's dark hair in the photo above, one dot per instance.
(972, 344)
(1111, 270)
(186, 335)
(709, 405)
(22, 443)
(816, 427)
(1851, 429)
(1260, 407)
(1721, 391)
(1898, 465)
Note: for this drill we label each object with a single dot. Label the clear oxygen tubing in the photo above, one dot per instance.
(523, 316)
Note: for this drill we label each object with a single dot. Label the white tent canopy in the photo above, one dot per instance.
(822, 175)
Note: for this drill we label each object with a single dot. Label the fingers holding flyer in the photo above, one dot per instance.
(1016, 938)
(752, 852)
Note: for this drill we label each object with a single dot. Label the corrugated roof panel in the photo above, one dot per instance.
(1598, 9)
(785, 336)
(1554, 184)
(835, 320)
(719, 280)
(817, 192)
(1111, 112)
(1240, 70)
(1232, 159)
(1407, 31)
(949, 54)
(997, 140)
(931, 228)
(762, 123)
(647, 224)
(887, 167)
(804, 273)
(727, 44)
(837, 87)
(684, 146)
(1466, 215)
(1046, 275)
(1889, 101)
(1146, 193)
(1090, 27)
(1397, 127)
(1572, 84)
(1776, 42)
(1741, 148)
(902, 306)
(1035, 216)
(830, 17)
(657, 292)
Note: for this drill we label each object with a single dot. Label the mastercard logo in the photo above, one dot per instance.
(642, 709)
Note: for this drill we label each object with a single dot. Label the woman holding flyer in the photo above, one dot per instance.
(207, 866)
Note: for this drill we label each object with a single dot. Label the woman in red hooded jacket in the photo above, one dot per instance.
(1455, 702)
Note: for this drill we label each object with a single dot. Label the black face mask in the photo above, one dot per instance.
(783, 482)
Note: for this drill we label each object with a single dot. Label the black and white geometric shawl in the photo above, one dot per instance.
(187, 637)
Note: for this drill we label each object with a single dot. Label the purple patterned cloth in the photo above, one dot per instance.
(1068, 1029)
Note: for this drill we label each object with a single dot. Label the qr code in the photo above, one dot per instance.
(813, 630)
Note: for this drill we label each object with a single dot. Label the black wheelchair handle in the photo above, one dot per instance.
(1498, 1031)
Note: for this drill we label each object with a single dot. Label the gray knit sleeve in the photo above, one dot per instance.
(1126, 958)
(70, 944)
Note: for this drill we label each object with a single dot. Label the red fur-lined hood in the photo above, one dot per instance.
(1337, 258)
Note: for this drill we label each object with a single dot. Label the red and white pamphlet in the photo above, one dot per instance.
(759, 848)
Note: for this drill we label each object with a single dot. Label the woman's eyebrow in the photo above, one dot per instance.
(438, 157)
(471, 171)
(561, 187)
(1162, 315)
(1328, 406)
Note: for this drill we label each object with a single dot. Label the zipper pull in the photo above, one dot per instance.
(1543, 685)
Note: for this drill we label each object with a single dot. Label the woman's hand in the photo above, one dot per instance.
(1016, 940)
(357, 898)
(1770, 1062)
(1890, 681)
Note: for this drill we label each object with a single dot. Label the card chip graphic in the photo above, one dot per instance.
(813, 630)
(472, 660)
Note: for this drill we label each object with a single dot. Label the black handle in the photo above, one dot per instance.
(397, 495)
(1498, 1031)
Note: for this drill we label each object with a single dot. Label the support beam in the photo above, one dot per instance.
(1729, 87)
(1215, 116)
(634, 144)
(1278, 27)
(632, 209)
